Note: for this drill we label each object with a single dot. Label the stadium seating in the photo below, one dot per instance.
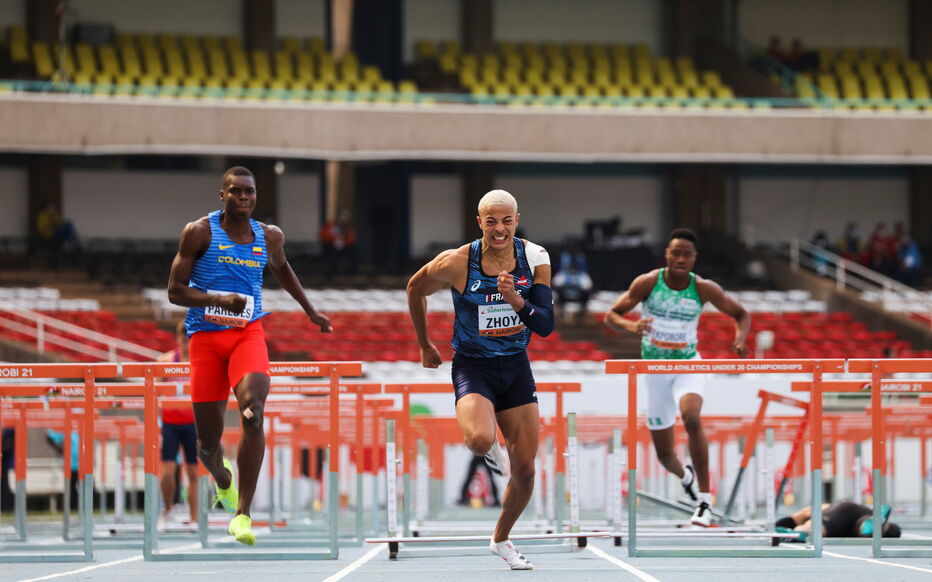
(867, 74)
(194, 67)
(578, 74)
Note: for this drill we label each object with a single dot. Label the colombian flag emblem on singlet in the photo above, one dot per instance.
(257, 251)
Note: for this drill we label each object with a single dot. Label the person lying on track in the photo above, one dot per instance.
(840, 520)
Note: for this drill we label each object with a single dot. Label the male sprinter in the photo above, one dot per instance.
(841, 520)
(671, 301)
(178, 432)
(217, 273)
(501, 293)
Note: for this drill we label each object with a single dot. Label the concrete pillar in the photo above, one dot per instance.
(340, 193)
(340, 26)
(259, 25)
(699, 197)
(920, 206)
(920, 29)
(476, 33)
(478, 178)
(42, 20)
(44, 187)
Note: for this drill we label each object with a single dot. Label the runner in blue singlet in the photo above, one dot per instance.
(501, 293)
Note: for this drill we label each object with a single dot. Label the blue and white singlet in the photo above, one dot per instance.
(228, 267)
(485, 325)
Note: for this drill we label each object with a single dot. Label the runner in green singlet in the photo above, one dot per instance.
(671, 302)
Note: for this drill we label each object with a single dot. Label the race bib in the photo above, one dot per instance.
(669, 335)
(222, 316)
(499, 320)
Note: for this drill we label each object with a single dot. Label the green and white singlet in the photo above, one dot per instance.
(675, 316)
(672, 337)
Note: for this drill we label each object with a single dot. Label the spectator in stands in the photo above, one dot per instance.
(57, 235)
(6, 493)
(774, 50)
(57, 441)
(600, 232)
(820, 240)
(217, 274)
(878, 250)
(572, 286)
(909, 261)
(338, 242)
(850, 243)
(178, 431)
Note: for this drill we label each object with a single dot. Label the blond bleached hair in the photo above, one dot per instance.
(497, 198)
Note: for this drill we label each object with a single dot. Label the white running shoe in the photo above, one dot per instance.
(497, 460)
(508, 552)
(702, 516)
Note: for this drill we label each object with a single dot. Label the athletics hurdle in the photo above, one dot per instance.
(632, 368)
(751, 441)
(151, 370)
(88, 373)
(394, 541)
(878, 386)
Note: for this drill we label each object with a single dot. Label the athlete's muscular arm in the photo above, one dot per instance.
(537, 311)
(446, 269)
(638, 291)
(195, 239)
(712, 292)
(281, 268)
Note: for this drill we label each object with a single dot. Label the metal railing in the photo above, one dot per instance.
(46, 331)
(850, 274)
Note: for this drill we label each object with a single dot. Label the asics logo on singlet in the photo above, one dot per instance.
(475, 285)
(225, 247)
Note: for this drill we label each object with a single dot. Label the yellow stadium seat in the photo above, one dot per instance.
(261, 67)
(487, 76)
(711, 79)
(291, 44)
(844, 69)
(896, 88)
(871, 54)
(866, 68)
(848, 54)
(850, 87)
(873, 88)
(724, 93)
(449, 46)
(689, 78)
(635, 91)
(679, 92)
(919, 88)
(316, 45)
(644, 77)
(826, 84)
(701, 93)
(893, 54)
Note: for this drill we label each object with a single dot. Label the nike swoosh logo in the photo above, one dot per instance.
(225, 247)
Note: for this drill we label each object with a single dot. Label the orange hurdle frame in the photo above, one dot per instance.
(632, 368)
(151, 370)
(408, 446)
(877, 386)
(751, 442)
(88, 373)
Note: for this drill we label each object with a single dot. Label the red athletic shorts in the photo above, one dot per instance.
(220, 359)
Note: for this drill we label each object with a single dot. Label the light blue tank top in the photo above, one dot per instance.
(485, 325)
(228, 267)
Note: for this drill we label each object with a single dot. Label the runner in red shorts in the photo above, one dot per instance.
(217, 273)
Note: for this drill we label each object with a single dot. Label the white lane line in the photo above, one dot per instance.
(873, 561)
(349, 569)
(106, 564)
(639, 573)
